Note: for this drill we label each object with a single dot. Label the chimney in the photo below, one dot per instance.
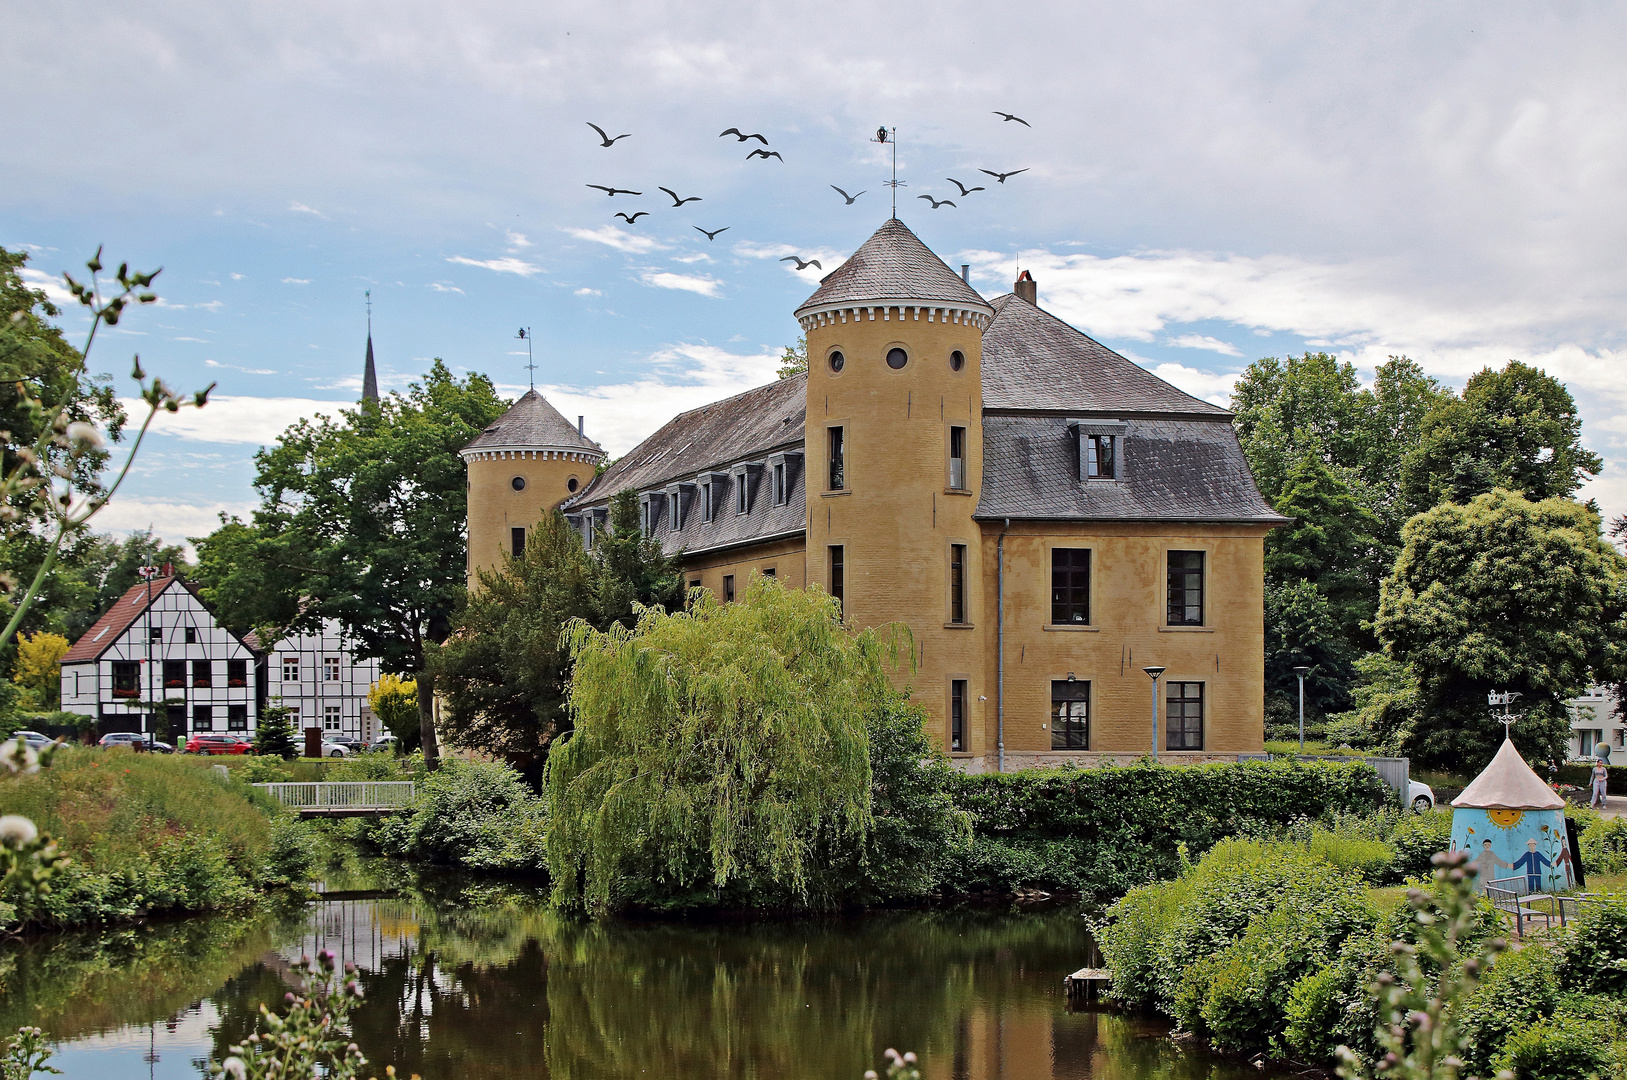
(1027, 288)
(966, 272)
(579, 426)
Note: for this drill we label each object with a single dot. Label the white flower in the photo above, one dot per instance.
(18, 756)
(234, 1068)
(16, 830)
(86, 435)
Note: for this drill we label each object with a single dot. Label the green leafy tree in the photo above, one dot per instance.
(1516, 428)
(1302, 629)
(1502, 593)
(630, 569)
(275, 736)
(794, 360)
(362, 520)
(394, 701)
(244, 589)
(717, 752)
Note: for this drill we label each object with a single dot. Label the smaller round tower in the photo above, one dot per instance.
(520, 468)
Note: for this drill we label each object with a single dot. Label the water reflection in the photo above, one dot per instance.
(474, 980)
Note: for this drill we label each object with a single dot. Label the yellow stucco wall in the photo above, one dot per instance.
(785, 557)
(495, 507)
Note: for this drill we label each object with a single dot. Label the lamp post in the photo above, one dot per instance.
(1302, 671)
(1154, 673)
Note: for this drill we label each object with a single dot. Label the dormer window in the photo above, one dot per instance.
(1100, 446)
(1099, 458)
(779, 483)
(707, 509)
(742, 492)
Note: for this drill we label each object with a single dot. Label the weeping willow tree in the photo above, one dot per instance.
(718, 751)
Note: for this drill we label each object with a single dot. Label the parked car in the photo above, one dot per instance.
(33, 738)
(384, 742)
(334, 749)
(219, 744)
(1421, 797)
(135, 740)
(354, 746)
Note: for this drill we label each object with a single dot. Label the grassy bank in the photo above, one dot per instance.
(149, 833)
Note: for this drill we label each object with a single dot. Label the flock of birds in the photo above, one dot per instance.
(764, 153)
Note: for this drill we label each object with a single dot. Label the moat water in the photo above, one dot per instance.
(468, 979)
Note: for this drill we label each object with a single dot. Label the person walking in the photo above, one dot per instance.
(1601, 776)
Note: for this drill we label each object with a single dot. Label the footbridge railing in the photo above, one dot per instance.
(335, 798)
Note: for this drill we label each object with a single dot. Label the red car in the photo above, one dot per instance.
(219, 744)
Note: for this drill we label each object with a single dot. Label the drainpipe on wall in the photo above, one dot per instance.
(1000, 644)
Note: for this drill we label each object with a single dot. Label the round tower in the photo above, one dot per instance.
(894, 461)
(520, 468)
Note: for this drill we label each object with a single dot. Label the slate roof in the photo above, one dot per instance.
(114, 622)
(893, 265)
(532, 422)
(1508, 783)
(1034, 360)
(738, 428)
(1172, 469)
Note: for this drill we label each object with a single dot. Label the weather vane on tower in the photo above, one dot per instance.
(530, 364)
(888, 136)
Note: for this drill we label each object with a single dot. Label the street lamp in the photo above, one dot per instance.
(1302, 671)
(1154, 673)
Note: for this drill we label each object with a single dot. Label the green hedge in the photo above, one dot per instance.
(1103, 830)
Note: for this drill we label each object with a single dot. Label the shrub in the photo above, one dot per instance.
(1521, 989)
(1593, 956)
(1332, 1007)
(1603, 842)
(1418, 838)
(275, 735)
(1131, 935)
(475, 814)
(1558, 1048)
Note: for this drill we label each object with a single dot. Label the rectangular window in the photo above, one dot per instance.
(957, 583)
(516, 541)
(330, 718)
(192, 635)
(203, 674)
(203, 718)
(155, 633)
(646, 515)
(1070, 586)
(294, 718)
(836, 574)
(126, 678)
(1183, 716)
(174, 674)
(768, 571)
(728, 588)
(1099, 458)
(1186, 588)
(1070, 715)
(290, 669)
(706, 501)
(237, 718)
(957, 458)
(237, 673)
(695, 583)
(673, 521)
(742, 491)
(330, 669)
(779, 483)
(838, 468)
(957, 716)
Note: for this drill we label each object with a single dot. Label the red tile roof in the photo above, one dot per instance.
(114, 622)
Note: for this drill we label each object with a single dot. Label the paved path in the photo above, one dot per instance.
(1615, 806)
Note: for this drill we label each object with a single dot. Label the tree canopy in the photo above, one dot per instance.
(1506, 593)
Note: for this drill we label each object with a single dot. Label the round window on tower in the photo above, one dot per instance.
(957, 360)
(518, 483)
(897, 358)
(571, 485)
(837, 362)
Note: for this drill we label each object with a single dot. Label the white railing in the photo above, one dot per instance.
(342, 795)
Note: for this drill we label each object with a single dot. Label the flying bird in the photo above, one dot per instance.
(1012, 116)
(964, 190)
(736, 133)
(842, 193)
(937, 202)
(611, 191)
(1001, 176)
(709, 235)
(764, 154)
(635, 217)
(802, 264)
(677, 201)
(608, 141)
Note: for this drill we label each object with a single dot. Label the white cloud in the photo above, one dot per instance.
(518, 240)
(827, 258)
(611, 236)
(210, 305)
(234, 367)
(438, 287)
(52, 286)
(301, 208)
(585, 291)
(199, 340)
(229, 418)
(1203, 341)
(665, 279)
(174, 522)
(237, 276)
(1208, 385)
(508, 265)
(296, 281)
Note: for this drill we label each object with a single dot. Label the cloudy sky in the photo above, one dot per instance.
(1205, 184)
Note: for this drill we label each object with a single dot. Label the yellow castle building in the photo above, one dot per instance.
(1075, 545)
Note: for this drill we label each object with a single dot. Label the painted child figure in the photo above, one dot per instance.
(1533, 862)
(1486, 865)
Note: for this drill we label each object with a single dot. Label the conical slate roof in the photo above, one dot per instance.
(1508, 783)
(370, 377)
(893, 265)
(532, 423)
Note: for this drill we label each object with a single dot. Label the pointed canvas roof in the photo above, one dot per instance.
(533, 424)
(893, 265)
(1508, 783)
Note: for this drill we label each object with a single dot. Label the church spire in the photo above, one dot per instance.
(370, 378)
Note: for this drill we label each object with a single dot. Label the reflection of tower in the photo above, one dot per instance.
(895, 453)
(520, 468)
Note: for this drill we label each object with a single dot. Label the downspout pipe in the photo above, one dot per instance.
(1000, 644)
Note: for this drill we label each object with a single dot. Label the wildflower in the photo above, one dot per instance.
(234, 1068)
(18, 756)
(86, 435)
(16, 831)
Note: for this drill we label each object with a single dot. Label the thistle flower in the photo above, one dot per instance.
(233, 1068)
(86, 435)
(18, 756)
(16, 831)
